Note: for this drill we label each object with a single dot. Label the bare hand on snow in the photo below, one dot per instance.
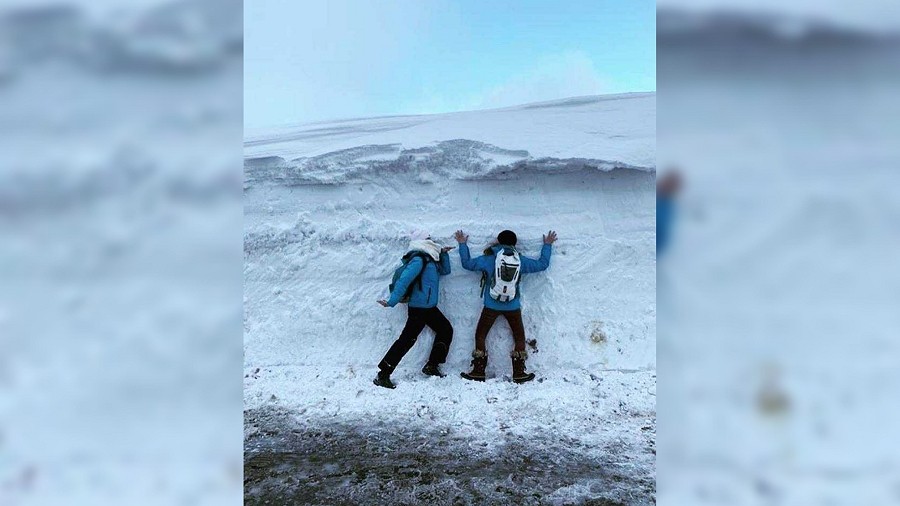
(550, 238)
(461, 237)
(383, 302)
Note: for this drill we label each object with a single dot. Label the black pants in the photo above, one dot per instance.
(417, 320)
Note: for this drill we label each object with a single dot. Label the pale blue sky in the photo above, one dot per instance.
(316, 60)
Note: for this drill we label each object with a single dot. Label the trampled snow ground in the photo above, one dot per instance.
(328, 211)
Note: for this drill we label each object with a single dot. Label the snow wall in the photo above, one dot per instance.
(329, 207)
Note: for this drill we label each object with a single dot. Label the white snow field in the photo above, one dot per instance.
(329, 208)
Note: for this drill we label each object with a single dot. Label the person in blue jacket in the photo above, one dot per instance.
(420, 278)
(502, 267)
(667, 190)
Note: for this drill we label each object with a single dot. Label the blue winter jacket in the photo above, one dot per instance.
(485, 263)
(665, 214)
(428, 295)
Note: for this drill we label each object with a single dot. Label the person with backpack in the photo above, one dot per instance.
(416, 282)
(502, 267)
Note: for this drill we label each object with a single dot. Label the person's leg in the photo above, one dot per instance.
(514, 318)
(443, 335)
(479, 355)
(485, 322)
(415, 322)
(519, 354)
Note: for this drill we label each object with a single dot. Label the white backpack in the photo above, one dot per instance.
(507, 268)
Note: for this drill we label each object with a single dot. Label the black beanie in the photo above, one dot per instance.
(507, 238)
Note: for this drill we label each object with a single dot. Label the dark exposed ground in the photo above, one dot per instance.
(288, 463)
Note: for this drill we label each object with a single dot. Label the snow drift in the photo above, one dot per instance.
(328, 211)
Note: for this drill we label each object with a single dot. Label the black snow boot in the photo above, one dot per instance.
(479, 363)
(433, 370)
(384, 380)
(518, 365)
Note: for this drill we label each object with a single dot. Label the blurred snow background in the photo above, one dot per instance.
(120, 211)
(778, 356)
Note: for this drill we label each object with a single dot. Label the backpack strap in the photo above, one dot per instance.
(489, 251)
(425, 259)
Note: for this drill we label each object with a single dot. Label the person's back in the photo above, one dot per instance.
(419, 279)
(486, 264)
(502, 267)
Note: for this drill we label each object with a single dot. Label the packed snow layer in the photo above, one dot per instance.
(318, 257)
(322, 239)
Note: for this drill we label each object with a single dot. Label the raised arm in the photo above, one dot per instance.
(413, 268)
(532, 265)
(465, 258)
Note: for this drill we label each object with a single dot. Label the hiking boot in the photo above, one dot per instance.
(479, 362)
(518, 366)
(384, 380)
(433, 370)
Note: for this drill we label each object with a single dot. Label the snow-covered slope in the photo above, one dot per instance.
(611, 130)
(328, 211)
